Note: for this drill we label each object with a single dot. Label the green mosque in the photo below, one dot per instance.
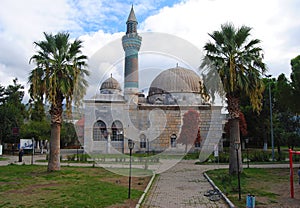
(155, 122)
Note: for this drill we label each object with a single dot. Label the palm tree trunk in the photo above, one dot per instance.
(54, 157)
(56, 121)
(234, 138)
(234, 111)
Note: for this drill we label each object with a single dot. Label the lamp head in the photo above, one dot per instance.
(130, 144)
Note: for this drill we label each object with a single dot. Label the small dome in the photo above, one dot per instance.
(111, 84)
(175, 80)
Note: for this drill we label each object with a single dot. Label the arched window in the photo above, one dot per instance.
(173, 140)
(117, 131)
(99, 131)
(143, 141)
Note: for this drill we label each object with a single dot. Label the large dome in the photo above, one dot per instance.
(175, 80)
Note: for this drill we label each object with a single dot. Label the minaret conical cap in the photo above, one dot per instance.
(131, 16)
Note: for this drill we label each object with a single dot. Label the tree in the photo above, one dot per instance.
(12, 110)
(68, 134)
(59, 76)
(189, 128)
(295, 84)
(239, 65)
(242, 126)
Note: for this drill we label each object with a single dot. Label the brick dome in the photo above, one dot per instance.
(175, 80)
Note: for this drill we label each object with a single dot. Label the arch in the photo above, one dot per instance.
(99, 131)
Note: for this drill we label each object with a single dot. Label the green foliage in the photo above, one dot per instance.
(191, 156)
(40, 130)
(60, 70)
(295, 84)
(68, 135)
(78, 158)
(259, 156)
(36, 110)
(238, 63)
(12, 110)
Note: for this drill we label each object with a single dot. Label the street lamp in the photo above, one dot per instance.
(271, 117)
(247, 141)
(237, 147)
(130, 146)
(32, 154)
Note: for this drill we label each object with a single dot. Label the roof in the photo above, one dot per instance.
(176, 79)
(131, 16)
(110, 83)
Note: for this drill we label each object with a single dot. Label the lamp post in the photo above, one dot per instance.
(237, 146)
(271, 117)
(247, 141)
(32, 151)
(130, 146)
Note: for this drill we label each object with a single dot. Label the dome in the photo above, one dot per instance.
(175, 80)
(110, 86)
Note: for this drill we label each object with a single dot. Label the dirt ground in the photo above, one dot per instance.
(136, 183)
(282, 190)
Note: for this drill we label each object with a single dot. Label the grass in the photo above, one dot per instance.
(263, 183)
(3, 158)
(32, 186)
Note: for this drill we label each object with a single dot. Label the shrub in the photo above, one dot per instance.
(281, 157)
(259, 156)
(71, 157)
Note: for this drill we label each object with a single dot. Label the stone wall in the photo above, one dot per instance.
(155, 123)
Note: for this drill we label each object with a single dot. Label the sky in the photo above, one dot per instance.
(100, 22)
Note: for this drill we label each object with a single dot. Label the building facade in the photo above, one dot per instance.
(154, 122)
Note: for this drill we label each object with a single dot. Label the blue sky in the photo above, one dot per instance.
(98, 22)
(110, 15)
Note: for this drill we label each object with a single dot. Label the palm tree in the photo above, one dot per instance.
(238, 62)
(59, 77)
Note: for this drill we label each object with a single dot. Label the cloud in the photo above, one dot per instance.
(270, 20)
(275, 22)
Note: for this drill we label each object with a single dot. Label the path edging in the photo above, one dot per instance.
(230, 204)
(145, 191)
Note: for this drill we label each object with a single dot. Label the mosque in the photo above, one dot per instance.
(158, 122)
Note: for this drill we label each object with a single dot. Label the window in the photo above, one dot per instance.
(173, 140)
(99, 131)
(143, 143)
(197, 144)
(117, 131)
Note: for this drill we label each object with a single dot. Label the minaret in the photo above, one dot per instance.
(131, 45)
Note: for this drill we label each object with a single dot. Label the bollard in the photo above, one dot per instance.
(253, 201)
(250, 201)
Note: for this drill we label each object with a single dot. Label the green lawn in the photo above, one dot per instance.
(3, 158)
(270, 186)
(32, 186)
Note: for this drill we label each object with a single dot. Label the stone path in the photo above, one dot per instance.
(182, 186)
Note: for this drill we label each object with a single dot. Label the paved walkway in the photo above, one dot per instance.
(182, 186)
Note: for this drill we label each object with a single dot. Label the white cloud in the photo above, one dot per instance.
(270, 20)
(275, 22)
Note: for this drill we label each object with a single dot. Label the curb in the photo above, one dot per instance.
(230, 204)
(145, 191)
